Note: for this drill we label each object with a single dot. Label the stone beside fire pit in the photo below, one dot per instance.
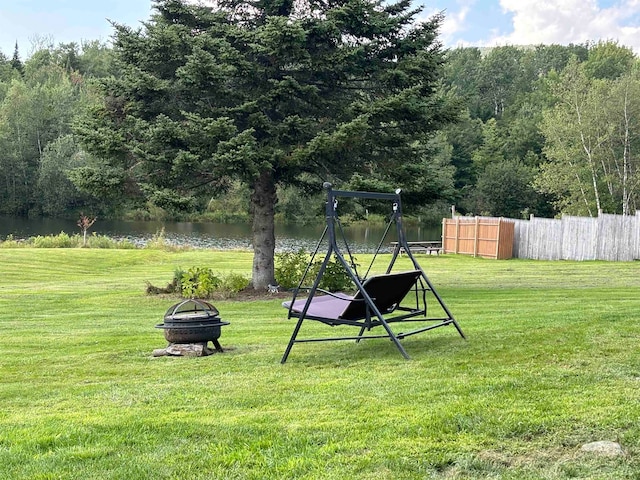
(189, 326)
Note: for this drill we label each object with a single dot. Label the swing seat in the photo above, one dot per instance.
(386, 291)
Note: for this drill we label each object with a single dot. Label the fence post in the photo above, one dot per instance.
(637, 235)
(498, 237)
(457, 234)
(475, 238)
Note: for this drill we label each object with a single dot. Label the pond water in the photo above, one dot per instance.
(361, 238)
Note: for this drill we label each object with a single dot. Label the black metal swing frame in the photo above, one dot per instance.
(379, 300)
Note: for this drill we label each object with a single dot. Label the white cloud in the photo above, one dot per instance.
(454, 23)
(570, 21)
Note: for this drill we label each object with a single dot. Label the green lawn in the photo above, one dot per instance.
(551, 362)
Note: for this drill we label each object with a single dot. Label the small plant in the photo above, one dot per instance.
(102, 241)
(62, 240)
(11, 242)
(177, 279)
(199, 282)
(234, 282)
(290, 266)
(158, 240)
(335, 278)
(85, 224)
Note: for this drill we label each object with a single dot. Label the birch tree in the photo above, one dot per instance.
(575, 136)
(592, 137)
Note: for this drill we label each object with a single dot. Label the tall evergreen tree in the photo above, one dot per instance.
(16, 64)
(265, 91)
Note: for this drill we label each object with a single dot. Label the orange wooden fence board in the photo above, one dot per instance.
(478, 236)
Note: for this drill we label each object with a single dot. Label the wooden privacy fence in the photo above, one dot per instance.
(478, 236)
(606, 237)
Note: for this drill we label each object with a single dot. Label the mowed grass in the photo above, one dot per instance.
(552, 362)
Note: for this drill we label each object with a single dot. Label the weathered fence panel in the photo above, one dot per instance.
(543, 239)
(618, 237)
(579, 238)
(606, 237)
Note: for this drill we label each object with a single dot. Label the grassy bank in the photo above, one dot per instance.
(552, 362)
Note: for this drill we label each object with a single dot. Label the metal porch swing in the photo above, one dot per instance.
(379, 300)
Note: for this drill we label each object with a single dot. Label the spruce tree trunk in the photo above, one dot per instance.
(263, 201)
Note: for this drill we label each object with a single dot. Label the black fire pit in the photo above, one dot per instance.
(192, 321)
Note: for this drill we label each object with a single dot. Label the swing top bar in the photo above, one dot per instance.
(351, 194)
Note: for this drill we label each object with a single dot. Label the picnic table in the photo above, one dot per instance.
(421, 247)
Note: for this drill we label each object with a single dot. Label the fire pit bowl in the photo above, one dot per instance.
(192, 321)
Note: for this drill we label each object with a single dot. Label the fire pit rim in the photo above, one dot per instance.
(182, 326)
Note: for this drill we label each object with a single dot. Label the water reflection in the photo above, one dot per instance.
(361, 238)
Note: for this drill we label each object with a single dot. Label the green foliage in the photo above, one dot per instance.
(295, 205)
(261, 116)
(57, 193)
(202, 282)
(334, 278)
(609, 60)
(230, 204)
(102, 241)
(266, 97)
(11, 242)
(233, 282)
(589, 134)
(36, 110)
(291, 266)
(505, 189)
(62, 240)
(159, 242)
(177, 278)
(199, 282)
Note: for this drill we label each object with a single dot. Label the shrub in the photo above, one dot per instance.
(199, 282)
(290, 266)
(177, 279)
(234, 282)
(160, 242)
(62, 240)
(335, 277)
(11, 242)
(102, 241)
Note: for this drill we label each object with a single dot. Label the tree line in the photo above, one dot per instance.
(547, 130)
(542, 130)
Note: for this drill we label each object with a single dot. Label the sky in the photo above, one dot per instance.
(481, 23)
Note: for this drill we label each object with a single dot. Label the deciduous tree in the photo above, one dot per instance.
(592, 139)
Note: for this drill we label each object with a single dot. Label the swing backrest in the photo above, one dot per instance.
(386, 291)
